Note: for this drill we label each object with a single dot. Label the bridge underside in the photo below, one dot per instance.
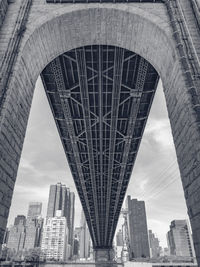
(100, 97)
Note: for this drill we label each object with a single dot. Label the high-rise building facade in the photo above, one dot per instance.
(34, 209)
(16, 236)
(77, 235)
(20, 219)
(70, 221)
(60, 198)
(55, 238)
(33, 232)
(76, 247)
(84, 242)
(154, 245)
(34, 225)
(180, 240)
(137, 229)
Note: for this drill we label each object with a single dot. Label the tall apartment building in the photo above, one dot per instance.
(34, 224)
(180, 240)
(60, 198)
(16, 236)
(84, 241)
(137, 229)
(154, 245)
(55, 238)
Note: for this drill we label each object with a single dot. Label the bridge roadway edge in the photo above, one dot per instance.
(44, 39)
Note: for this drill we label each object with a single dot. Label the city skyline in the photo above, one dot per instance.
(36, 173)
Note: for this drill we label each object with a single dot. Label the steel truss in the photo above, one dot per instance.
(100, 97)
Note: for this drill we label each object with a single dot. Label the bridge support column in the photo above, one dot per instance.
(104, 255)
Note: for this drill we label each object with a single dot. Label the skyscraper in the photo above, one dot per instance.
(55, 237)
(60, 198)
(33, 232)
(84, 242)
(70, 221)
(20, 218)
(34, 209)
(154, 245)
(180, 240)
(137, 229)
(34, 224)
(16, 236)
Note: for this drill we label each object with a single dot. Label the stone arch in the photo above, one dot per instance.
(133, 28)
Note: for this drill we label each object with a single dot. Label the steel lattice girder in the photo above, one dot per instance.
(100, 97)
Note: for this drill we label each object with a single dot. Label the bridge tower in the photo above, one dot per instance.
(100, 61)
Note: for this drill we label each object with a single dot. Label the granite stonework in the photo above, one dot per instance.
(148, 29)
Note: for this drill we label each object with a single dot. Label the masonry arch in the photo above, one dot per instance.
(147, 34)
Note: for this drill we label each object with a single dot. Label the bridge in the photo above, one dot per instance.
(100, 61)
(100, 97)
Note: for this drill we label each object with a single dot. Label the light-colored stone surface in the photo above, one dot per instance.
(54, 29)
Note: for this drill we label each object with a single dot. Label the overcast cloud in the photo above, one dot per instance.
(155, 177)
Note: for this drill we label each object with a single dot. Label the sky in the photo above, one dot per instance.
(155, 178)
